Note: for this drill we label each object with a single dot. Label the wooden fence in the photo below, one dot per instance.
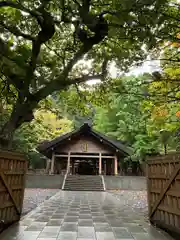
(163, 185)
(12, 183)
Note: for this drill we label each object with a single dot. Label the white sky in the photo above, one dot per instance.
(147, 66)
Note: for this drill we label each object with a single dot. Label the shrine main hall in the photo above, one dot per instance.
(84, 151)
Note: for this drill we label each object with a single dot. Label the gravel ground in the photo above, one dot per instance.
(136, 200)
(35, 196)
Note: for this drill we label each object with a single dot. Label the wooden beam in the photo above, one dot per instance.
(84, 156)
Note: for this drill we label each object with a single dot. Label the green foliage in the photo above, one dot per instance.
(135, 117)
(47, 46)
(45, 126)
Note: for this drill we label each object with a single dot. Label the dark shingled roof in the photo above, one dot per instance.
(46, 147)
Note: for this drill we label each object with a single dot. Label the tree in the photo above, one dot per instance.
(125, 118)
(42, 42)
(45, 126)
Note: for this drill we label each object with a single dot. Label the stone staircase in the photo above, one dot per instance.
(83, 183)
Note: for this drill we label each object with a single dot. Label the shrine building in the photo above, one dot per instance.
(84, 152)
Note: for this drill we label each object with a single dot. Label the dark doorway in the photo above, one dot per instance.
(85, 168)
(109, 166)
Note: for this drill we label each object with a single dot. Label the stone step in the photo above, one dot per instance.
(91, 182)
(83, 183)
(82, 187)
(85, 190)
(77, 177)
(78, 186)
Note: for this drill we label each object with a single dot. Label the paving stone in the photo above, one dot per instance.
(99, 219)
(69, 227)
(86, 232)
(84, 212)
(71, 219)
(46, 238)
(116, 223)
(31, 235)
(143, 236)
(105, 236)
(136, 229)
(67, 236)
(97, 214)
(43, 219)
(36, 226)
(55, 222)
(57, 216)
(122, 233)
(102, 227)
(85, 216)
(72, 214)
(85, 238)
(49, 232)
(85, 222)
(26, 222)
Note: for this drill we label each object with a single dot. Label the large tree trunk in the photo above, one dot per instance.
(21, 113)
(6, 134)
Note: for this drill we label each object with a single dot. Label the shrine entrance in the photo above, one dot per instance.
(86, 168)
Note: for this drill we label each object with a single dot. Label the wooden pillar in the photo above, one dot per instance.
(115, 165)
(68, 162)
(52, 163)
(48, 166)
(100, 163)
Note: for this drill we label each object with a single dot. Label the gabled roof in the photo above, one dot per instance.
(46, 147)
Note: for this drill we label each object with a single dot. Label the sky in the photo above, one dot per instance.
(147, 66)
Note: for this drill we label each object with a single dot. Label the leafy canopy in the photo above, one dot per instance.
(42, 42)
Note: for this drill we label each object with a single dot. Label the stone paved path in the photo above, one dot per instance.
(80, 216)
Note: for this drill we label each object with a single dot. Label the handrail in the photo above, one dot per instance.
(64, 181)
(103, 182)
(67, 171)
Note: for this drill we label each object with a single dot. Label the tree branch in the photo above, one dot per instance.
(19, 7)
(60, 82)
(14, 30)
(76, 2)
(46, 23)
(4, 50)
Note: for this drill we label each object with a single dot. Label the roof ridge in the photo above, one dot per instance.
(45, 147)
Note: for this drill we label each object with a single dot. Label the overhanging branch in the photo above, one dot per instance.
(14, 30)
(19, 6)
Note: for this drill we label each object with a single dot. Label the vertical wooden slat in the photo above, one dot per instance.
(163, 184)
(10, 197)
